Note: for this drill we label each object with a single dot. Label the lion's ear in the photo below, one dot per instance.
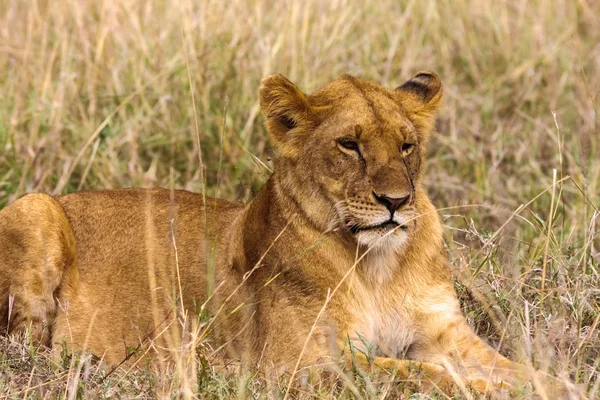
(284, 106)
(421, 97)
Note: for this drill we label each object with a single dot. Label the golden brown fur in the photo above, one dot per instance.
(340, 245)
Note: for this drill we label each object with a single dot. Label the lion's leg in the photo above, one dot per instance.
(37, 247)
(463, 353)
(481, 358)
(464, 350)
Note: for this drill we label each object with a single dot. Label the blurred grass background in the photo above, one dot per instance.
(105, 94)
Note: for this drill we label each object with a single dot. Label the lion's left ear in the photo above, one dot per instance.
(421, 97)
(284, 106)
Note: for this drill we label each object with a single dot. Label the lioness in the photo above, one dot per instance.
(341, 245)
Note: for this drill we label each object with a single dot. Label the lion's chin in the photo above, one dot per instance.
(383, 239)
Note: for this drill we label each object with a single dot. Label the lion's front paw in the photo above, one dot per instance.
(486, 386)
(452, 385)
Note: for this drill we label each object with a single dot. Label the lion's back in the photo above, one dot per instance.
(126, 224)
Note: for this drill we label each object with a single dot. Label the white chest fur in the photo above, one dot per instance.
(380, 328)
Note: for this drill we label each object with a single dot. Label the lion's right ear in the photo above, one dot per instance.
(284, 106)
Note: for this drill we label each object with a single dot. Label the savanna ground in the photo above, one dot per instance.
(106, 94)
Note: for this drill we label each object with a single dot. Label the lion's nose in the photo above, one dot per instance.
(392, 203)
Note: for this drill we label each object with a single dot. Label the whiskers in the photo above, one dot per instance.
(338, 215)
(345, 214)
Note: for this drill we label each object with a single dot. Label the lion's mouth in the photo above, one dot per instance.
(387, 225)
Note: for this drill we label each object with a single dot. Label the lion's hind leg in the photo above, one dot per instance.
(37, 249)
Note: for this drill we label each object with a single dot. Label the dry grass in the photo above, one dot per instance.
(98, 94)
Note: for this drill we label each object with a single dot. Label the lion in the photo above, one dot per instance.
(339, 256)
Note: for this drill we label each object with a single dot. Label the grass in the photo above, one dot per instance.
(98, 94)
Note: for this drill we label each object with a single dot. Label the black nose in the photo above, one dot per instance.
(392, 203)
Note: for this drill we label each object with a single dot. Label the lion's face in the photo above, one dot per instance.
(353, 152)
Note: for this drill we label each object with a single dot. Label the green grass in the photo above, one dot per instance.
(98, 94)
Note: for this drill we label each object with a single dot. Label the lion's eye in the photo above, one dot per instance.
(407, 148)
(348, 145)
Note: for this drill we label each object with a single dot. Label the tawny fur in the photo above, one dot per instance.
(106, 270)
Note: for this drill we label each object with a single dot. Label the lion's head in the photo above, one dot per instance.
(351, 155)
